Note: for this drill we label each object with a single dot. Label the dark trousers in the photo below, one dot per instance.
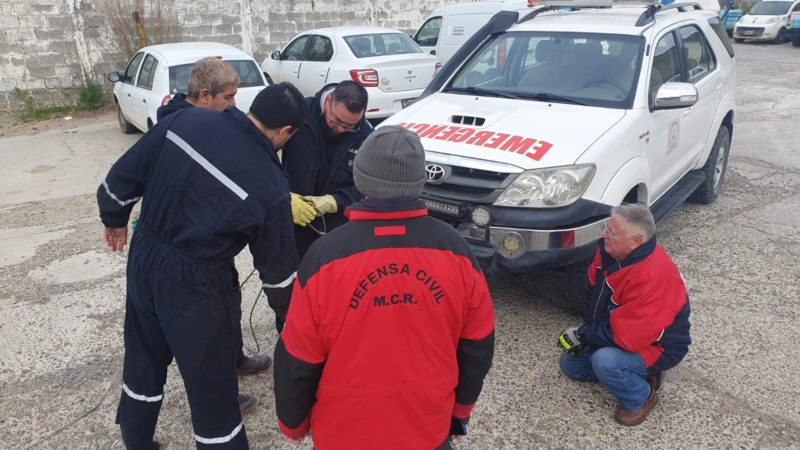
(180, 307)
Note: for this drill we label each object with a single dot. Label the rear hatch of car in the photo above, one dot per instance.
(413, 72)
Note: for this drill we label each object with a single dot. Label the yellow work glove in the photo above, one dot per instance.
(303, 212)
(324, 204)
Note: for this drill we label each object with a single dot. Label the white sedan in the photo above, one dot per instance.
(389, 64)
(157, 72)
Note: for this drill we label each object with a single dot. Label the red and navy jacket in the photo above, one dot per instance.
(639, 305)
(390, 332)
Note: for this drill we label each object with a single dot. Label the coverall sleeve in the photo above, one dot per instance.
(475, 345)
(300, 356)
(346, 196)
(124, 184)
(273, 248)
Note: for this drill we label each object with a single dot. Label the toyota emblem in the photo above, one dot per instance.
(435, 173)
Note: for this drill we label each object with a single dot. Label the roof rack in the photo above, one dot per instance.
(649, 14)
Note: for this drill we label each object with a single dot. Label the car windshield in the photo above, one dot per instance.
(770, 8)
(248, 71)
(381, 44)
(577, 68)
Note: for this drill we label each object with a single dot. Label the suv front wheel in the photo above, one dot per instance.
(715, 168)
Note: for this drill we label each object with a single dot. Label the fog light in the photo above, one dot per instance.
(481, 217)
(511, 245)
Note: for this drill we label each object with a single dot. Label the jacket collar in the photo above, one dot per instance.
(388, 208)
(640, 253)
(241, 119)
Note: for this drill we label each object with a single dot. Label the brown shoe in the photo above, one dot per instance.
(637, 416)
(655, 380)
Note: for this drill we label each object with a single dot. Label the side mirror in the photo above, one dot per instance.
(673, 95)
(276, 55)
(113, 77)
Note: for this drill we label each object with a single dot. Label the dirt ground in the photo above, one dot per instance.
(11, 125)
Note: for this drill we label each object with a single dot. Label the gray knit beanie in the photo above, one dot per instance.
(390, 163)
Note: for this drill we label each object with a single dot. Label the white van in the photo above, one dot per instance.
(447, 28)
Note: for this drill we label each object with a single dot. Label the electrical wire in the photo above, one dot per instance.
(255, 302)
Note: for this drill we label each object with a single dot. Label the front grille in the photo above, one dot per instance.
(465, 185)
(750, 31)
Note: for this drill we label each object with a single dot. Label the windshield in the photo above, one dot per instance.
(367, 45)
(770, 8)
(248, 71)
(579, 68)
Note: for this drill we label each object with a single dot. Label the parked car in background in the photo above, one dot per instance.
(392, 68)
(447, 28)
(766, 21)
(157, 72)
(794, 28)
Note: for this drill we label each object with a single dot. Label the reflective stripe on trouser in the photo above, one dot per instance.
(181, 307)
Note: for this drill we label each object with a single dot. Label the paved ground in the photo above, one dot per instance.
(62, 298)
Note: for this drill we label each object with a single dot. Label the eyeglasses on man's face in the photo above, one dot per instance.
(608, 234)
(339, 123)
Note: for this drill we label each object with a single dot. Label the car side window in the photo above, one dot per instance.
(321, 49)
(147, 73)
(428, 34)
(666, 64)
(133, 67)
(295, 50)
(796, 8)
(697, 56)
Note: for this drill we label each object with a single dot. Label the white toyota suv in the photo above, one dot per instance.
(538, 126)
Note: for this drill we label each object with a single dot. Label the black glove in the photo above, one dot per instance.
(569, 342)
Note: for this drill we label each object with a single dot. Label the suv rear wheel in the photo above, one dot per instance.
(714, 169)
(124, 125)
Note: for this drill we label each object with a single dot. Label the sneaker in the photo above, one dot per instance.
(247, 403)
(638, 415)
(254, 365)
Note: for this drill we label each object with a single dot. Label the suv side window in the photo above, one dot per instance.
(295, 50)
(697, 56)
(147, 73)
(428, 34)
(133, 67)
(666, 64)
(320, 49)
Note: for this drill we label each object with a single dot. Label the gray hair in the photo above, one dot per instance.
(212, 74)
(638, 215)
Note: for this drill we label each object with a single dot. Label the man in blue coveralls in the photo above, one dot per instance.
(211, 183)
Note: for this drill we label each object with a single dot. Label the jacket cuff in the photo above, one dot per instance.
(114, 220)
(462, 411)
(295, 433)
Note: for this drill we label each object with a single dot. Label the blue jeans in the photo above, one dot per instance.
(622, 373)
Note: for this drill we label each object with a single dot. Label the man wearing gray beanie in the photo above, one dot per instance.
(393, 309)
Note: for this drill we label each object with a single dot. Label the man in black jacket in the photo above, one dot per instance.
(319, 162)
(212, 84)
(211, 184)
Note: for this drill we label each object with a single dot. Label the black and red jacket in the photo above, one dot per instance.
(639, 305)
(390, 332)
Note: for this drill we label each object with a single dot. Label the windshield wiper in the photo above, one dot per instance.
(482, 91)
(553, 98)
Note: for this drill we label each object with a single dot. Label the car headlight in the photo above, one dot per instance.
(548, 188)
(773, 20)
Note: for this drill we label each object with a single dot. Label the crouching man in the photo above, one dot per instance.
(636, 319)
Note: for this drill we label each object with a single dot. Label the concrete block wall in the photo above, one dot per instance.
(50, 48)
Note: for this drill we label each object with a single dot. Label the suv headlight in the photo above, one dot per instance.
(548, 188)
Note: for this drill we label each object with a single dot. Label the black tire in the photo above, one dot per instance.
(782, 37)
(796, 41)
(714, 169)
(738, 40)
(124, 125)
